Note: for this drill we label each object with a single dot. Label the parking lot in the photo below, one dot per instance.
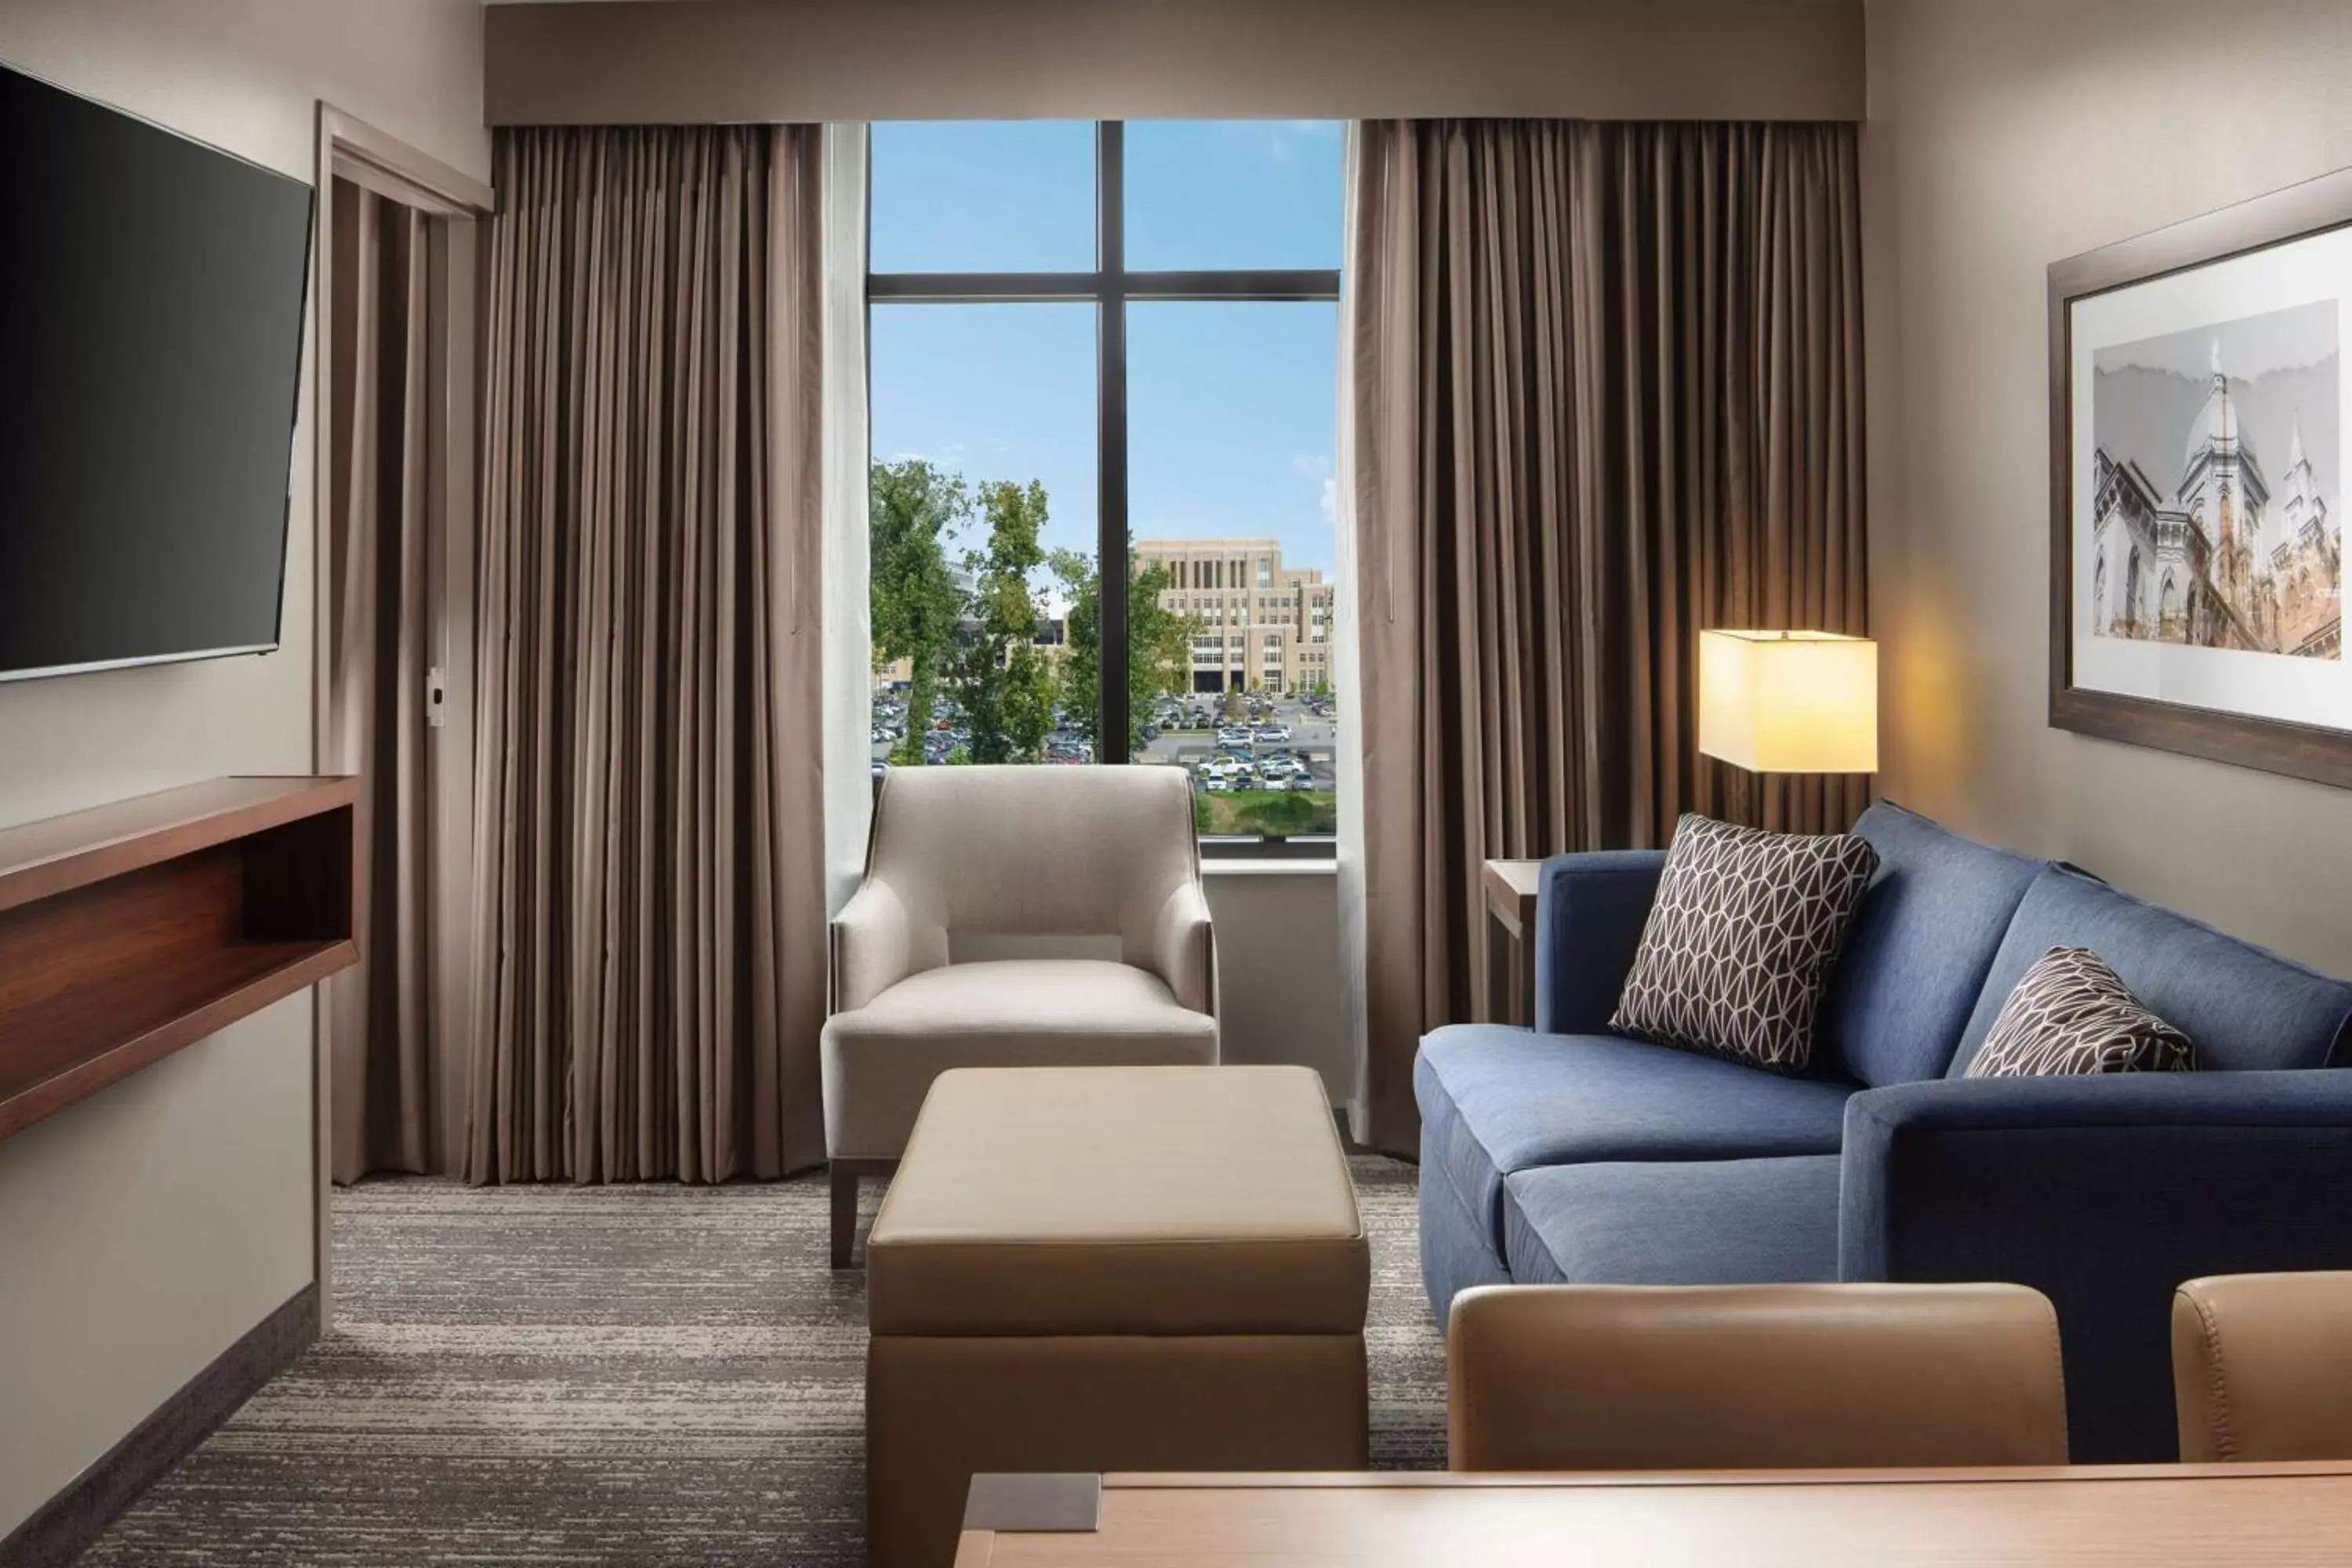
(1312, 741)
(1260, 762)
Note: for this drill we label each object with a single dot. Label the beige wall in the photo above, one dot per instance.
(654, 60)
(2003, 135)
(1278, 957)
(143, 1231)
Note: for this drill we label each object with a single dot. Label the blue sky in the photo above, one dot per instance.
(1229, 406)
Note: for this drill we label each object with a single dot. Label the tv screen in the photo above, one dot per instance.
(151, 338)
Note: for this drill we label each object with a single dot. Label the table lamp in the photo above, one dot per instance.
(1788, 702)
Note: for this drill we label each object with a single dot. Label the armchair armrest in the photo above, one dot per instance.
(1185, 947)
(2104, 1194)
(873, 942)
(1590, 910)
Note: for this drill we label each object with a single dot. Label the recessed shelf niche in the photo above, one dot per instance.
(129, 931)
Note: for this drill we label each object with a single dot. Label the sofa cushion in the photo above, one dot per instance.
(1740, 941)
(1496, 1100)
(1696, 1222)
(2247, 1008)
(2071, 1014)
(1918, 952)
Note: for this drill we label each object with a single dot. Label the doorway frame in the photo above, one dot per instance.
(349, 148)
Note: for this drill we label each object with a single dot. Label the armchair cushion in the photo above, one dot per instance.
(1496, 1100)
(879, 1060)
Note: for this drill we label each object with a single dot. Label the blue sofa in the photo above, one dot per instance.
(1566, 1154)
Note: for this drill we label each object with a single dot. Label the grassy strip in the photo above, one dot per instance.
(1266, 812)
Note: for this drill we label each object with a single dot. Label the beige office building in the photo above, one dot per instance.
(1264, 625)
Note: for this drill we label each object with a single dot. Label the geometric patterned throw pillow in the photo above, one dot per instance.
(1738, 944)
(2070, 1013)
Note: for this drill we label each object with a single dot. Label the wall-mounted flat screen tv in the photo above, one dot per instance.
(150, 339)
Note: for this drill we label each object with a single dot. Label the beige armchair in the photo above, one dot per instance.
(1010, 852)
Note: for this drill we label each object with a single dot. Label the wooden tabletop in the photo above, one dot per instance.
(2136, 1515)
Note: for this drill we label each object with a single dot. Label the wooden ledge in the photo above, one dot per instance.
(129, 931)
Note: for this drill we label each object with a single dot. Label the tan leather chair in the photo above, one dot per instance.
(2262, 1367)
(1604, 1377)
(1023, 853)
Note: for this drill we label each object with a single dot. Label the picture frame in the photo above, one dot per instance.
(2198, 423)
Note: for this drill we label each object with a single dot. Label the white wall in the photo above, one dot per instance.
(145, 1230)
(2004, 135)
(1278, 968)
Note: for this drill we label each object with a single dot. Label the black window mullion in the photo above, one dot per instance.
(982, 287)
(1112, 729)
(1278, 284)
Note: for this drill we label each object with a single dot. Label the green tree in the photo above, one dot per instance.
(1159, 644)
(1082, 668)
(1005, 684)
(914, 511)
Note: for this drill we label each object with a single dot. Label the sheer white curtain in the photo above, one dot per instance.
(846, 613)
(1346, 668)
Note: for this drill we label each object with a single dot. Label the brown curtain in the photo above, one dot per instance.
(1607, 391)
(379, 1023)
(649, 820)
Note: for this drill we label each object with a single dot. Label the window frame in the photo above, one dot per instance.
(1110, 287)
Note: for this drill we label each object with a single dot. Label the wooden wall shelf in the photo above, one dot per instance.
(129, 931)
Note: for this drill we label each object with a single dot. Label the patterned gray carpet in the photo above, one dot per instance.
(610, 1375)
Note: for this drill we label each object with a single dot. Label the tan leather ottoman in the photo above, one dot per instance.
(1110, 1269)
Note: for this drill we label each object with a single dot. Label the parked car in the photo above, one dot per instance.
(1278, 734)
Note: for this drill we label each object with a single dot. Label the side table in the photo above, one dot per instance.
(1510, 888)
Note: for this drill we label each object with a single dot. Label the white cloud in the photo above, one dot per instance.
(1330, 500)
(1311, 465)
(1282, 138)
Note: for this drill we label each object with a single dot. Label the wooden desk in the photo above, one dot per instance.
(2139, 1516)
(1510, 887)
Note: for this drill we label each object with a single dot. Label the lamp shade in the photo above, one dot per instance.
(1788, 702)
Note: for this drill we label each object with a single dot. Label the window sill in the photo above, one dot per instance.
(1219, 866)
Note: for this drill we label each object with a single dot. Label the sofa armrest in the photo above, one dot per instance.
(1184, 948)
(1590, 910)
(873, 943)
(2105, 1194)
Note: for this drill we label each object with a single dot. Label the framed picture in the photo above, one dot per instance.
(2197, 442)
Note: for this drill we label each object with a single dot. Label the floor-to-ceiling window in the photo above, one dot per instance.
(1111, 343)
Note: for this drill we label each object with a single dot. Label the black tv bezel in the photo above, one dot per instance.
(302, 330)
